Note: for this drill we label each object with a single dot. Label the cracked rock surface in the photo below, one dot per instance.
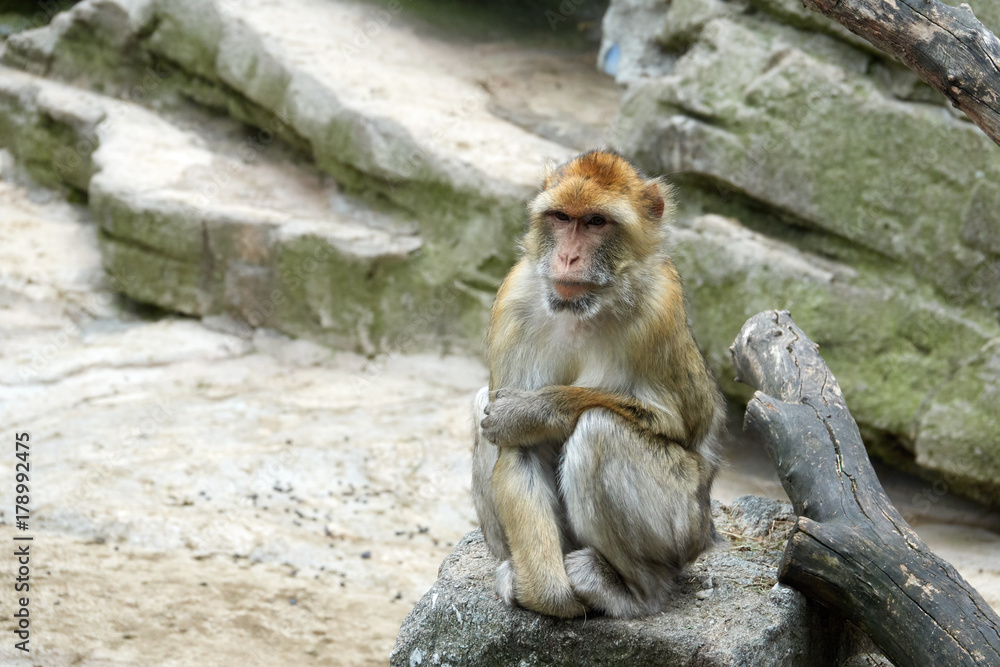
(728, 610)
(837, 158)
(370, 183)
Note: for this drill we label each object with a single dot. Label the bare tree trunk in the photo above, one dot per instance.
(946, 46)
(850, 549)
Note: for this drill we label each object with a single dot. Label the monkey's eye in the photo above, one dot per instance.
(597, 221)
(561, 217)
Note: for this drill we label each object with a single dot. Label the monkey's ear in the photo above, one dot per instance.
(654, 195)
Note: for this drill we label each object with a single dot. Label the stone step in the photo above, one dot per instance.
(204, 231)
(389, 112)
(448, 136)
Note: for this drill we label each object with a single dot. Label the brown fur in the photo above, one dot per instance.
(597, 439)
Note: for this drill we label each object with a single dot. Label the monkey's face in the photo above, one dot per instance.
(579, 260)
(595, 216)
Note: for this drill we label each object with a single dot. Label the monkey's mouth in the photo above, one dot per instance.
(570, 291)
(579, 298)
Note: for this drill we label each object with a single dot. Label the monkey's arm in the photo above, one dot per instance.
(521, 418)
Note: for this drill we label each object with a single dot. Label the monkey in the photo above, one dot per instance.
(597, 439)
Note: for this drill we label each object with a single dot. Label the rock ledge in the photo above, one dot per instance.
(729, 610)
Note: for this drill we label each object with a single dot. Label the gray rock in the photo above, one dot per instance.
(754, 516)
(406, 124)
(773, 115)
(729, 610)
(629, 45)
(849, 193)
(202, 231)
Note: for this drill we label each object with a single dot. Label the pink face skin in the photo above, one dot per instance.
(577, 240)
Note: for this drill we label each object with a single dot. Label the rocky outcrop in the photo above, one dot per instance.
(398, 122)
(204, 231)
(873, 208)
(374, 194)
(919, 373)
(729, 610)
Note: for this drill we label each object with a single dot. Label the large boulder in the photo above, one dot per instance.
(401, 249)
(865, 205)
(729, 610)
(398, 120)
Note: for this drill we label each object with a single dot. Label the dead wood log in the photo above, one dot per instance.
(948, 47)
(850, 549)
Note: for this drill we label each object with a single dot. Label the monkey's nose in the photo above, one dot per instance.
(568, 261)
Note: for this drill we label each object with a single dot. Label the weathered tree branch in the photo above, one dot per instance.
(850, 549)
(946, 46)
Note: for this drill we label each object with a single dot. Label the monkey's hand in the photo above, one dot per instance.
(520, 418)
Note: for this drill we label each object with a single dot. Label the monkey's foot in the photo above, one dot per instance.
(558, 602)
(505, 583)
(600, 587)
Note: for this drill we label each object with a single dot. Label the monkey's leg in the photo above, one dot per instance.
(538, 580)
(484, 459)
(530, 512)
(639, 506)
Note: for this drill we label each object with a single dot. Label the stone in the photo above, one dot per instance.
(904, 357)
(203, 232)
(755, 516)
(881, 202)
(729, 610)
(374, 200)
(629, 34)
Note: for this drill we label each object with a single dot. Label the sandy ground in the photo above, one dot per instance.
(202, 498)
(198, 498)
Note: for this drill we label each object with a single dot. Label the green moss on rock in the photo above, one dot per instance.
(174, 231)
(901, 354)
(149, 277)
(798, 133)
(54, 152)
